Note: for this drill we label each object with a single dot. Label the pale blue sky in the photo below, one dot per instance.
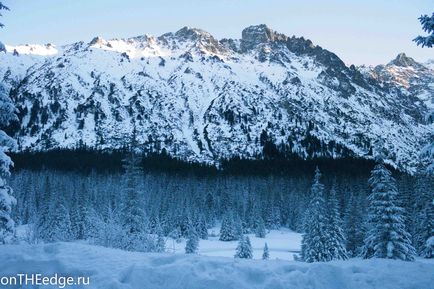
(368, 31)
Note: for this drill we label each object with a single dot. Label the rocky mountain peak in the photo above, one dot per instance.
(258, 34)
(403, 60)
(97, 40)
(190, 33)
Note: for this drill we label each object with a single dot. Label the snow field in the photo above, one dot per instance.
(117, 269)
(283, 244)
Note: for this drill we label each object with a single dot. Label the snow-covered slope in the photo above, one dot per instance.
(203, 99)
(116, 269)
(410, 76)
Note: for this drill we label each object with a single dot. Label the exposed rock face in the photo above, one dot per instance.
(201, 99)
(409, 77)
(404, 61)
(255, 35)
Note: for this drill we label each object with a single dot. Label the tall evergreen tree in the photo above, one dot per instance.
(336, 238)
(201, 227)
(426, 232)
(244, 248)
(43, 220)
(353, 225)
(79, 213)
(7, 115)
(228, 231)
(134, 221)
(238, 225)
(260, 230)
(60, 224)
(422, 217)
(314, 244)
(386, 236)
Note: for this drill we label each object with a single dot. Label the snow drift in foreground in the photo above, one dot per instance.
(110, 268)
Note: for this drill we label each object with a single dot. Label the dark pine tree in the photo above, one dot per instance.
(337, 240)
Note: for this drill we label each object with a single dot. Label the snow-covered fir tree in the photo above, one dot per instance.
(201, 227)
(192, 245)
(244, 248)
(43, 219)
(228, 231)
(60, 224)
(266, 253)
(427, 23)
(422, 217)
(336, 238)
(80, 214)
(315, 241)
(426, 232)
(386, 236)
(134, 220)
(109, 231)
(260, 230)
(2, 7)
(161, 242)
(353, 225)
(238, 225)
(7, 115)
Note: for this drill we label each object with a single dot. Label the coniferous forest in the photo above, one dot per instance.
(136, 207)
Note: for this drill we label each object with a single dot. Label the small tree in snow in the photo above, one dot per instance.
(314, 245)
(192, 244)
(244, 248)
(266, 253)
(160, 243)
(386, 236)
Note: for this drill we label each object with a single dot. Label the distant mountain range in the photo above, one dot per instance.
(202, 99)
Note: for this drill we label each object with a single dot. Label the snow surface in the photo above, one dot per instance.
(283, 244)
(113, 269)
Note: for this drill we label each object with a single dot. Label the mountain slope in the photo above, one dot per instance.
(411, 77)
(203, 99)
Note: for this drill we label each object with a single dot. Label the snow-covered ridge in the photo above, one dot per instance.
(411, 77)
(33, 49)
(203, 99)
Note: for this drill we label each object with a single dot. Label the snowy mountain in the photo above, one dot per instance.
(411, 77)
(203, 99)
